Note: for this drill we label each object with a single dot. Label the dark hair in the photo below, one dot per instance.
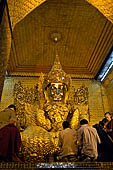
(107, 113)
(83, 122)
(12, 106)
(65, 124)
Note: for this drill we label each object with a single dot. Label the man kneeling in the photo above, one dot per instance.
(87, 142)
(68, 143)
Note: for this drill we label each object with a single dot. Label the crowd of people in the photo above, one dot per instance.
(91, 143)
(85, 144)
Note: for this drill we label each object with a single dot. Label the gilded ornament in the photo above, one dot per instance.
(42, 109)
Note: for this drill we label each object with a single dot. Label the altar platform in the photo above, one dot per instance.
(57, 165)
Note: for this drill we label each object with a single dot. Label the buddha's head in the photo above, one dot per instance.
(57, 92)
(57, 84)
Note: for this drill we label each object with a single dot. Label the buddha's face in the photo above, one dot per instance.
(56, 92)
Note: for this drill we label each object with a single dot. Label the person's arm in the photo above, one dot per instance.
(79, 137)
(98, 138)
(60, 140)
(79, 141)
(75, 137)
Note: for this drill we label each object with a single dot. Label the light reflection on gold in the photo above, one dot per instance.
(42, 115)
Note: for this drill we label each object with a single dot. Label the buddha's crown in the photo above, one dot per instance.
(57, 75)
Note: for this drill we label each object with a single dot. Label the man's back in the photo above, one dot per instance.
(88, 139)
(68, 142)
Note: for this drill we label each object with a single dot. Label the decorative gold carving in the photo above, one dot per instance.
(18, 9)
(37, 143)
(78, 99)
(81, 102)
(57, 113)
(57, 75)
(81, 95)
(40, 92)
(23, 95)
(105, 7)
(55, 36)
(57, 84)
(75, 119)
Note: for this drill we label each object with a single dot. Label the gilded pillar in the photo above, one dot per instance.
(5, 43)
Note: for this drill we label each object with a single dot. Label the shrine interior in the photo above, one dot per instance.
(56, 64)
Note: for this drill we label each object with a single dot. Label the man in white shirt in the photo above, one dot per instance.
(68, 143)
(87, 141)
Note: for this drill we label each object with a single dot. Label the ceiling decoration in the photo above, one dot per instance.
(74, 30)
(55, 36)
(18, 9)
(105, 7)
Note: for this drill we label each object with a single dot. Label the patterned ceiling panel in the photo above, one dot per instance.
(18, 9)
(104, 6)
(75, 30)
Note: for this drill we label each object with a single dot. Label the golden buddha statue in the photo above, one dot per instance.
(43, 118)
